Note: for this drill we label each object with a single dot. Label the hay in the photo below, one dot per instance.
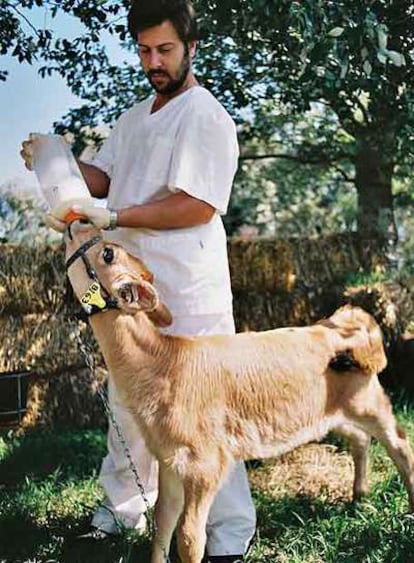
(281, 265)
(42, 343)
(315, 470)
(261, 264)
(32, 279)
(69, 398)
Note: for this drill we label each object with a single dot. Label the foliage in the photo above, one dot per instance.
(354, 58)
(294, 194)
(22, 220)
(283, 199)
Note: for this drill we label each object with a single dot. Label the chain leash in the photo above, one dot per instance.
(90, 364)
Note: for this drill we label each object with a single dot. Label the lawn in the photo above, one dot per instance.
(49, 490)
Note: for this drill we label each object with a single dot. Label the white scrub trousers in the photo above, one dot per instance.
(232, 519)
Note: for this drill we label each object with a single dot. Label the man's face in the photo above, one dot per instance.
(166, 60)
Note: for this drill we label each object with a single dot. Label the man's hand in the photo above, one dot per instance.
(27, 153)
(55, 223)
(28, 145)
(101, 217)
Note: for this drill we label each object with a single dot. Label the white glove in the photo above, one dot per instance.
(101, 217)
(55, 223)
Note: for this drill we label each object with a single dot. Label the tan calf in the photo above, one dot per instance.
(202, 403)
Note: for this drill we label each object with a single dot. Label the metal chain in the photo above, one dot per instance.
(90, 364)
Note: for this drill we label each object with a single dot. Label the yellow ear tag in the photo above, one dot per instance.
(93, 297)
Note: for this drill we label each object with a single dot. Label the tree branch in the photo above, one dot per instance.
(285, 156)
(21, 15)
(301, 160)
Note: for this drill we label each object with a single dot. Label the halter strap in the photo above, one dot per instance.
(81, 252)
(91, 309)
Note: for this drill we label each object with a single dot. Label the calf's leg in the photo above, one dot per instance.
(381, 424)
(359, 442)
(399, 450)
(191, 533)
(167, 511)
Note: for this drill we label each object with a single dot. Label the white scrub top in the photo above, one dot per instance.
(190, 144)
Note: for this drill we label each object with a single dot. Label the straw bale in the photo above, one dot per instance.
(275, 283)
(261, 264)
(302, 306)
(42, 343)
(31, 279)
(264, 264)
(322, 260)
(66, 399)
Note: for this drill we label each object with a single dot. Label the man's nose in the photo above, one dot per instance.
(155, 59)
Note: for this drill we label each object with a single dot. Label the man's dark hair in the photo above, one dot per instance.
(144, 14)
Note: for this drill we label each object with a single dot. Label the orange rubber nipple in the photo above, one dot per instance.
(71, 216)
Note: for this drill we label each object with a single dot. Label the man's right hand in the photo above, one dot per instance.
(27, 153)
(54, 223)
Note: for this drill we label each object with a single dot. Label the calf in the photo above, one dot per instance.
(204, 402)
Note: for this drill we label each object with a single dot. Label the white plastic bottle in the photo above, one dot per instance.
(59, 176)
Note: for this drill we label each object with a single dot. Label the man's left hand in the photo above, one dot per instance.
(98, 216)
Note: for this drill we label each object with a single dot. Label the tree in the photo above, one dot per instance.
(353, 57)
(22, 220)
(270, 62)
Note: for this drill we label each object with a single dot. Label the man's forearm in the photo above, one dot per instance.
(176, 211)
(96, 180)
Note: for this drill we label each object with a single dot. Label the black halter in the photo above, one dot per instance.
(110, 302)
(81, 253)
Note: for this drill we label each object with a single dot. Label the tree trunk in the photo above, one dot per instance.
(373, 179)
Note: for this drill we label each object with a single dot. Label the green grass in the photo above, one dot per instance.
(49, 490)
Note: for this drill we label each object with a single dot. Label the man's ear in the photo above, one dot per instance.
(192, 48)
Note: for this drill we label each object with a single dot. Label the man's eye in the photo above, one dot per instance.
(108, 255)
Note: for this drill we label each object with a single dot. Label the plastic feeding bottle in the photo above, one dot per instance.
(59, 176)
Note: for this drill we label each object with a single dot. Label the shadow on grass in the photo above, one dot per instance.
(23, 542)
(75, 454)
(35, 523)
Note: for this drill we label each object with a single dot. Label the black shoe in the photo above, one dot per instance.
(225, 559)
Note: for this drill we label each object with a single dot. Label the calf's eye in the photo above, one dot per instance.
(108, 255)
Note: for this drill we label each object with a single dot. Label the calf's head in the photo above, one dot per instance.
(98, 270)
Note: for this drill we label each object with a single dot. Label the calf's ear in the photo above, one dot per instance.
(161, 315)
(142, 296)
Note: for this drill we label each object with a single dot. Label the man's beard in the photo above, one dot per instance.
(174, 84)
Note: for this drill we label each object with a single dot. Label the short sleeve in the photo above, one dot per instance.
(205, 156)
(105, 157)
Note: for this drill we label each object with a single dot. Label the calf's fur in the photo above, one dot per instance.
(204, 402)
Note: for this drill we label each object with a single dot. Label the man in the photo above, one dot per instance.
(167, 170)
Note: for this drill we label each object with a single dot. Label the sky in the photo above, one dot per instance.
(29, 103)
